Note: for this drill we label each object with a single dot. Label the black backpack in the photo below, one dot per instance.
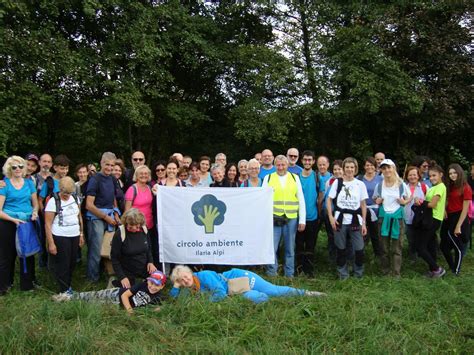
(59, 209)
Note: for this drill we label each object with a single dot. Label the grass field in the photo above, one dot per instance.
(373, 315)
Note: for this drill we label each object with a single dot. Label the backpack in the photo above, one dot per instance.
(424, 188)
(59, 209)
(135, 191)
(317, 179)
(49, 181)
(401, 190)
(27, 241)
(123, 232)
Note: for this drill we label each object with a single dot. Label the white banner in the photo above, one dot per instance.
(226, 226)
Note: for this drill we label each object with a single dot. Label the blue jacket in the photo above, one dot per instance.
(213, 283)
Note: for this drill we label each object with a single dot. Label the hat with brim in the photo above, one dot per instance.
(387, 162)
(158, 278)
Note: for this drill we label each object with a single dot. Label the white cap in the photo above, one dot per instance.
(387, 162)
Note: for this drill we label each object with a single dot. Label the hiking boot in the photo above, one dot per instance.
(314, 294)
(438, 273)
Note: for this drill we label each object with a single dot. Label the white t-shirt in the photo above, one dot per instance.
(70, 227)
(390, 196)
(350, 197)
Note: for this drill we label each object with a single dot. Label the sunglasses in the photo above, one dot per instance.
(138, 159)
(293, 156)
(20, 166)
(158, 170)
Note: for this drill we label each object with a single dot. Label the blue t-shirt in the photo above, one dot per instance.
(264, 172)
(44, 189)
(246, 183)
(295, 170)
(323, 179)
(370, 185)
(103, 188)
(308, 183)
(18, 201)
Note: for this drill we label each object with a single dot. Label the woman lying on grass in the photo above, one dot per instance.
(141, 294)
(235, 281)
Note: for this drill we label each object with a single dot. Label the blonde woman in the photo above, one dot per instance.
(18, 204)
(64, 233)
(217, 285)
(391, 195)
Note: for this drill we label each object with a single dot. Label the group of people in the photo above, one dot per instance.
(376, 206)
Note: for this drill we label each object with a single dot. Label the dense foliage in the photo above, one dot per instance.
(83, 76)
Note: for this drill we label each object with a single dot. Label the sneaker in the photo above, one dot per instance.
(438, 273)
(314, 294)
(62, 297)
(429, 274)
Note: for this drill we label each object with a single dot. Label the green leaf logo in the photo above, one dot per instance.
(208, 212)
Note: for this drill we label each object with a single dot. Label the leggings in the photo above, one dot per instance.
(260, 289)
(110, 295)
(426, 244)
(450, 241)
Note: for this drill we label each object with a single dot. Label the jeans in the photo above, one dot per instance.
(95, 234)
(344, 232)
(288, 232)
(260, 289)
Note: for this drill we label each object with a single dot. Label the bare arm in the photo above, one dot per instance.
(126, 301)
(363, 207)
(34, 203)
(48, 226)
(434, 202)
(90, 206)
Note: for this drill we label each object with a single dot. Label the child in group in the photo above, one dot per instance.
(141, 294)
(455, 228)
(434, 205)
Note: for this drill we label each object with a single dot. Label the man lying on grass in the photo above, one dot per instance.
(232, 282)
(139, 295)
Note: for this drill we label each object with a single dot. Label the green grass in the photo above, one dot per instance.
(374, 315)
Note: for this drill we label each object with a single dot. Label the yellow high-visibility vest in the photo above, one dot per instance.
(285, 200)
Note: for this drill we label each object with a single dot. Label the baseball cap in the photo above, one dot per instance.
(32, 156)
(158, 278)
(387, 162)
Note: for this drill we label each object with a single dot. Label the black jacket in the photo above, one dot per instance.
(130, 257)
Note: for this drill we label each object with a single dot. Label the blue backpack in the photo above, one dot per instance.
(27, 241)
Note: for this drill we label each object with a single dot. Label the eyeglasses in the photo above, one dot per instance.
(138, 159)
(66, 193)
(158, 170)
(20, 166)
(292, 156)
